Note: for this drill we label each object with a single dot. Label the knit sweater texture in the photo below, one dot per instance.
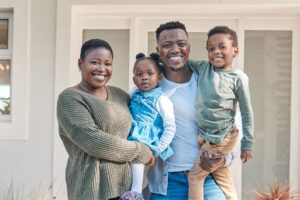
(94, 133)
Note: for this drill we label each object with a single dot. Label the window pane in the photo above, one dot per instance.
(119, 41)
(5, 69)
(268, 65)
(3, 33)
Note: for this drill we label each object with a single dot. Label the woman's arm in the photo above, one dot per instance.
(76, 121)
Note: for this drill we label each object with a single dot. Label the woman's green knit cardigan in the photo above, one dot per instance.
(94, 133)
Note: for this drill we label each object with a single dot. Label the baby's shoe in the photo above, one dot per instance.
(130, 195)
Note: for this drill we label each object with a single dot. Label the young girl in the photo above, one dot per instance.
(153, 117)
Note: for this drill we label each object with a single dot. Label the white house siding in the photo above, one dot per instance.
(29, 161)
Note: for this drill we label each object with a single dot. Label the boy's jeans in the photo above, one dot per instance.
(178, 188)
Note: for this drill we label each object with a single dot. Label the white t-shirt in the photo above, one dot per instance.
(184, 143)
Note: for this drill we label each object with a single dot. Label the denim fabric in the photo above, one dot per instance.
(178, 188)
(147, 126)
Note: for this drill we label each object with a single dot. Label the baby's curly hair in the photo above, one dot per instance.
(154, 57)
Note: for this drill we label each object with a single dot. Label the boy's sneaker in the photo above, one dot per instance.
(130, 195)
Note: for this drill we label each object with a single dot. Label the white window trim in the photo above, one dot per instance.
(6, 54)
(17, 127)
(295, 110)
(73, 18)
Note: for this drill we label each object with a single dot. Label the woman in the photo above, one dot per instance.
(94, 122)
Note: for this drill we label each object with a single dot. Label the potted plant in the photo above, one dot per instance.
(277, 191)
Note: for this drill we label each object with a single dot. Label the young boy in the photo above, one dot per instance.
(220, 88)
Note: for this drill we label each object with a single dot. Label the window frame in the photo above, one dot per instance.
(6, 54)
(282, 23)
(19, 50)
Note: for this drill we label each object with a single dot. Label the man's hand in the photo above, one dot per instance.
(151, 161)
(246, 155)
(211, 162)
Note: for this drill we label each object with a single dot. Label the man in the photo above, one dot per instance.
(169, 180)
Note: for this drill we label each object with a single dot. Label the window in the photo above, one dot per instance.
(5, 65)
(14, 59)
(4, 33)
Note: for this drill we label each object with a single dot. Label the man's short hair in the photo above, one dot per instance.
(169, 26)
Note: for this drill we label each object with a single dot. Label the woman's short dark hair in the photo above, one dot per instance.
(94, 44)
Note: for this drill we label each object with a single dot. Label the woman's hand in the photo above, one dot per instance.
(151, 161)
(211, 162)
(246, 155)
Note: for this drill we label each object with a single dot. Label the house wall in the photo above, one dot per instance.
(217, 2)
(27, 162)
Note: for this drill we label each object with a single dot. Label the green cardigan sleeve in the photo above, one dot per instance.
(77, 124)
(197, 65)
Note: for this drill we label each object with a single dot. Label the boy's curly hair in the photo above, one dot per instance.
(224, 30)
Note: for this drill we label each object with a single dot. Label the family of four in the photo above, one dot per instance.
(179, 121)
